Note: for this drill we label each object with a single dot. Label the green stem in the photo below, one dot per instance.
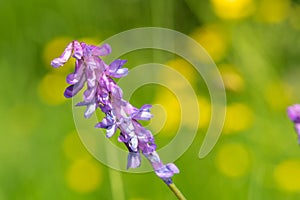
(176, 191)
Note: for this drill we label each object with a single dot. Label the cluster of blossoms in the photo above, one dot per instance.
(294, 115)
(103, 92)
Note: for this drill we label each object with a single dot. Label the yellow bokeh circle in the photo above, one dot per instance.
(233, 81)
(205, 112)
(287, 175)
(233, 9)
(159, 120)
(233, 160)
(73, 147)
(278, 95)
(184, 68)
(172, 111)
(214, 39)
(51, 89)
(239, 117)
(274, 11)
(84, 176)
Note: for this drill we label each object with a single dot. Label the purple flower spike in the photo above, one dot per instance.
(294, 115)
(103, 92)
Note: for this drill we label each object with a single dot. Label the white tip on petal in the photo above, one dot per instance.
(90, 109)
(133, 160)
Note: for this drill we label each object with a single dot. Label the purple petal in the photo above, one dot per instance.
(173, 168)
(111, 131)
(143, 113)
(116, 91)
(133, 144)
(102, 50)
(69, 91)
(119, 73)
(117, 64)
(78, 52)
(76, 76)
(89, 94)
(57, 62)
(82, 103)
(105, 123)
(115, 69)
(90, 109)
(148, 148)
(133, 160)
(167, 171)
(72, 90)
(294, 113)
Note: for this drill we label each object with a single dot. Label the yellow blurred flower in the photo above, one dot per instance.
(205, 112)
(274, 11)
(233, 160)
(84, 176)
(278, 95)
(159, 120)
(233, 9)
(295, 16)
(231, 78)
(239, 117)
(51, 89)
(214, 39)
(183, 67)
(172, 113)
(287, 175)
(73, 147)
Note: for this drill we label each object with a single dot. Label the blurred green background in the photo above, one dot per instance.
(256, 46)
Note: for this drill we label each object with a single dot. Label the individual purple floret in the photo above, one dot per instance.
(103, 92)
(294, 115)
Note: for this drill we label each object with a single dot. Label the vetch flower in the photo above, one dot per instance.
(102, 92)
(294, 115)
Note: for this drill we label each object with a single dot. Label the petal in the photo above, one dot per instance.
(82, 103)
(294, 113)
(116, 91)
(90, 109)
(57, 62)
(173, 168)
(111, 131)
(78, 51)
(77, 74)
(72, 90)
(69, 91)
(133, 144)
(119, 73)
(89, 94)
(149, 148)
(103, 50)
(91, 78)
(167, 171)
(115, 69)
(146, 107)
(117, 64)
(133, 160)
(143, 113)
